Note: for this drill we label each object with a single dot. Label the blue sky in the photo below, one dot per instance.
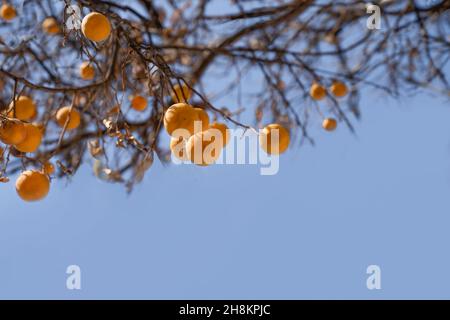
(310, 231)
(226, 232)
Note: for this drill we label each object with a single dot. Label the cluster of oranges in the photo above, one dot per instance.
(319, 92)
(194, 138)
(17, 131)
(16, 127)
(192, 134)
(192, 144)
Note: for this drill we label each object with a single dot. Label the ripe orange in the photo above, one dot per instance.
(87, 71)
(274, 139)
(203, 117)
(180, 116)
(51, 26)
(96, 27)
(12, 132)
(317, 91)
(181, 94)
(32, 185)
(339, 89)
(69, 114)
(25, 109)
(48, 168)
(7, 12)
(222, 127)
(33, 139)
(139, 103)
(202, 148)
(329, 124)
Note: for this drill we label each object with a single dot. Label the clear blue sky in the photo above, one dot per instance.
(379, 198)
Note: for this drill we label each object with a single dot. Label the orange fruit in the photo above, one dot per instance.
(48, 168)
(329, 124)
(33, 139)
(202, 148)
(180, 116)
(339, 89)
(139, 103)
(69, 114)
(50, 26)
(12, 132)
(274, 139)
(25, 109)
(32, 185)
(87, 71)
(7, 12)
(181, 94)
(184, 116)
(222, 127)
(96, 27)
(317, 91)
(203, 117)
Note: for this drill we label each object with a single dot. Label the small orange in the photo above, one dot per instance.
(329, 124)
(139, 103)
(33, 139)
(96, 27)
(274, 139)
(317, 91)
(12, 132)
(87, 70)
(339, 89)
(68, 114)
(48, 168)
(181, 94)
(51, 26)
(203, 117)
(25, 109)
(32, 185)
(7, 12)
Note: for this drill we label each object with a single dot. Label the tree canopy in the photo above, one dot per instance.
(85, 78)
